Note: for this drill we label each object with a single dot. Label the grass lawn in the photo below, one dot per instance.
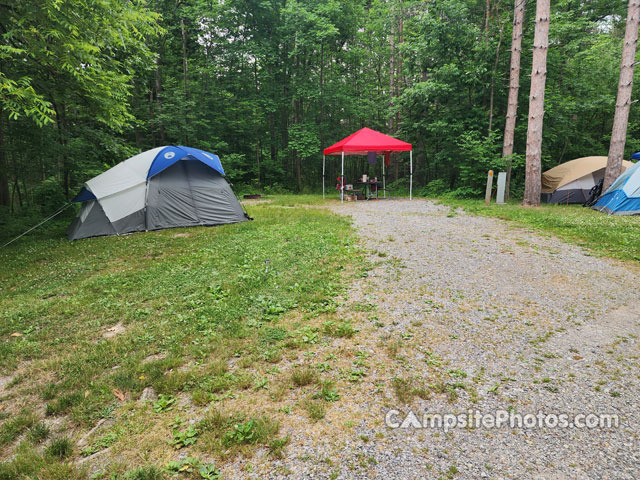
(203, 316)
(610, 235)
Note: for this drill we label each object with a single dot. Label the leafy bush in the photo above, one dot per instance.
(464, 192)
(434, 188)
(49, 196)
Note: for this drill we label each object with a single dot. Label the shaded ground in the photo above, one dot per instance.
(474, 313)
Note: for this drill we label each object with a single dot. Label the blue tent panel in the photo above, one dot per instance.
(84, 195)
(623, 196)
(636, 156)
(170, 155)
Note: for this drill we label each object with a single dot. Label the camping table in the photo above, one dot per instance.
(367, 188)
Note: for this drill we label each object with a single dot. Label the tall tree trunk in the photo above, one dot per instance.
(514, 87)
(625, 85)
(4, 177)
(532, 182)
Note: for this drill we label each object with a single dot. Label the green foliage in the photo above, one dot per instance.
(184, 438)
(60, 448)
(148, 472)
(13, 427)
(164, 403)
(39, 432)
(268, 100)
(242, 433)
(49, 195)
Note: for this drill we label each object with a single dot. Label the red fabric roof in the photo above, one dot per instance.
(366, 140)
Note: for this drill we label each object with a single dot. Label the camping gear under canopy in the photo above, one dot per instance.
(366, 141)
(570, 182)
(623, 196)
(171, 186)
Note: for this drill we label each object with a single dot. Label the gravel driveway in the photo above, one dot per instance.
(471, 314)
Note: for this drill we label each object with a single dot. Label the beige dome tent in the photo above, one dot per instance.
(571, 181)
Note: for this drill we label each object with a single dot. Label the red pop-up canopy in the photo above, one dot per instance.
(364, 141)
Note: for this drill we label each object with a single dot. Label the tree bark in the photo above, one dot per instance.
(532, 183)
(4, 177)
(392, 68)
(625, 85)
(158, 81)
(514, 87)
(185, 78)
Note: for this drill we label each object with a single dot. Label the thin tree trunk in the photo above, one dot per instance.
(625, 85)
(158, 80)
(4, 178)
(392, 68)
(493, 80)
(532, 182)
(185, 77)
(514, 87)
(487, 11)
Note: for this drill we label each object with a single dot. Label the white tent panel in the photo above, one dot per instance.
(582, 183)
(86, 209)
(125, 175)
(632, 186)
(124, 203)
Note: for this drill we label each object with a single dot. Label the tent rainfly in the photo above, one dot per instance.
(362, 142)
(570, 182)
(623, 196)
(161, 188)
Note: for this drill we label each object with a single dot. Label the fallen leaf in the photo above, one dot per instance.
(86, 393)
(15, 334)
(118, 394)
(577, 357)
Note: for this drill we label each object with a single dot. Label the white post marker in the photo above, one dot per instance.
(487, 195)
(323, 176)
(502, 182)
(342, 181)
(410, 174)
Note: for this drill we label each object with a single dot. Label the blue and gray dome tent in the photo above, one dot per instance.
(623, 196)
(161, 188)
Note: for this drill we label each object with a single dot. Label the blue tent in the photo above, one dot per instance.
(623, 196)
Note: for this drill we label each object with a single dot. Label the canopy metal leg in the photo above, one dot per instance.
(384, 183)
(342, 181)
(323, 161)
(410, 174)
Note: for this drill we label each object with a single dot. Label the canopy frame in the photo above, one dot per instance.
(363, 142)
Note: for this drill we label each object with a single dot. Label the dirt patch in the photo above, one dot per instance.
(181, 235)
(607, 329)
(4, 382)
(155, 357)
(117, 329)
